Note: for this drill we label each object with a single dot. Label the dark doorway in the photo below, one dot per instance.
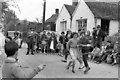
(105, 25)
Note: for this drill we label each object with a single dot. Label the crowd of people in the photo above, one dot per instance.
(81, 46)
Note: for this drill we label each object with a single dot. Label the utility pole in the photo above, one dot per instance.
(44, 11)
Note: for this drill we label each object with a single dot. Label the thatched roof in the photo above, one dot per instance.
(104, 10)
(53, 18)
(70, 8)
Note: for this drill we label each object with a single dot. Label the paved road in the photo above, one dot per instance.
(57, 69)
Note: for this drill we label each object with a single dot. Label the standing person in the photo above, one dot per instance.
(68, 36)
(13, 69)
(30, 42)
(38, 41)
(53, 43)
(94, 34)
(84, 41)
(62, 41)
(17, 39)
(2, 43)
(48, 42)
(100, 35)
(44, 42)
(72, 47)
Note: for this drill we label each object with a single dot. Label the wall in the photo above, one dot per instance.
(63, 15)
(0, 11)
(113, 27)
(84, 12)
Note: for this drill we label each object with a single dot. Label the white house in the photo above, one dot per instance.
(64, 20)
(90, 14)
(0, 10)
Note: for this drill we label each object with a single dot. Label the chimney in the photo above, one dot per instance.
(74, 2)
(56, 11)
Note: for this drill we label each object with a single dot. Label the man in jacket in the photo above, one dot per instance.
(100, 35)
(30, 42)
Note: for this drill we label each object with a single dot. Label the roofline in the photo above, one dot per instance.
(61, 11)
(76, 8)
(106, 18)
(67, 9)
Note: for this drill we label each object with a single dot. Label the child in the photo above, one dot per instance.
(72, 47)
(95, 53)
(60, 48)
(12, 68)
(114, 54)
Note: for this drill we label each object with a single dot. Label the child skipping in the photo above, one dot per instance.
(73, 48)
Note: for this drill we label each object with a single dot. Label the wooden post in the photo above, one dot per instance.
(44, 11)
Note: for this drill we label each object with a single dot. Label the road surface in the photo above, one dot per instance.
(57, 69)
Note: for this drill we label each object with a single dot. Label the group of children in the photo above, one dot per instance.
(108, 53)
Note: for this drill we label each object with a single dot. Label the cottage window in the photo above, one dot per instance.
(82, 24)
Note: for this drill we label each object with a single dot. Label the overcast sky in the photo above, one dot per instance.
(32, 9)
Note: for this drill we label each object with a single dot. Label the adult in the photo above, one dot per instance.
(2, 43)
(94, 36)
(30, 42)
(99, 36)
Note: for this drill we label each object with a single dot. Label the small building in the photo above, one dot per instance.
(90, 14)
(64, 20)
(0, 10)
(50, 22)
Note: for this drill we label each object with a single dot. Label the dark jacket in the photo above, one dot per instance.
(84, 40)
(62, 39)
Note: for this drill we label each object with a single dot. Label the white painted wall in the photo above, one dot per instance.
(98, 22)
(114, 25)
(84, 12)
(63, 15)
(0, 11)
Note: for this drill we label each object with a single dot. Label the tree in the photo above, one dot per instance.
(9, 17)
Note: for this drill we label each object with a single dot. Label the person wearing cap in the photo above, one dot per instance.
(100, 34)
(30, 42)
(2, 43)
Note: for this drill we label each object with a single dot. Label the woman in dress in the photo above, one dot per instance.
(53, 43)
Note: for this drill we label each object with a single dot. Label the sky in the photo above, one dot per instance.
(32, 9)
